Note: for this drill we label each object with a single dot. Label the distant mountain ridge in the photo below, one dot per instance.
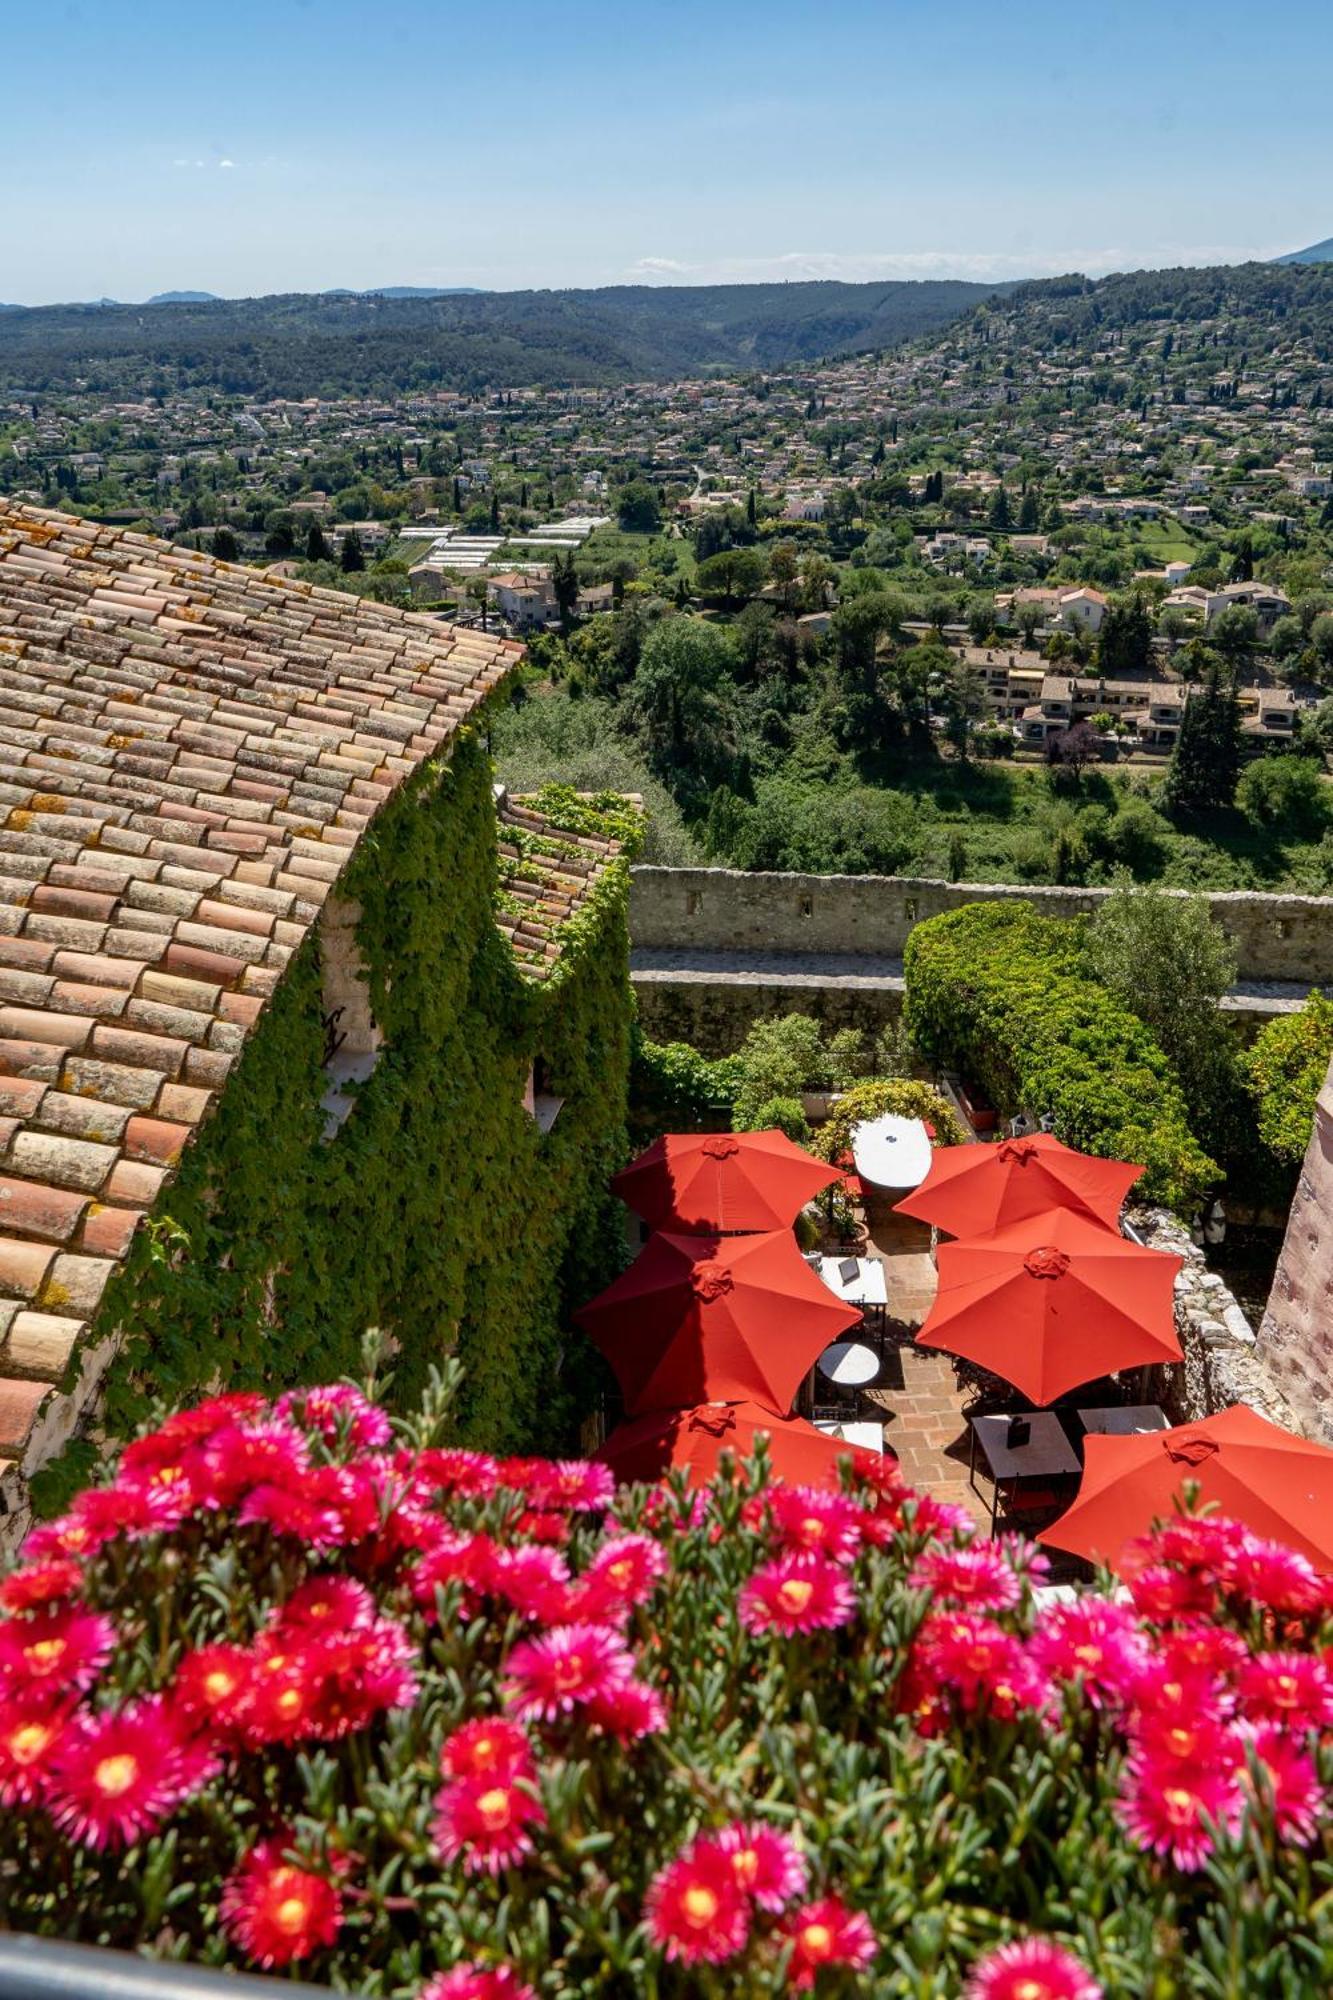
(397, 339)
(220, 298)
(1318, 253)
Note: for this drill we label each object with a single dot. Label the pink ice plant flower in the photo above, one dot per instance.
(978, 1577)
(826, 1933)
(797, 1594)
(1031, 1968)
(1289, 1786)
(767, 1864)
(1291, 1690)
(807, 1521)
(117, 1775)
(1177, 1809)
(565, 1669)
(477, 1982)
(1099, 1645)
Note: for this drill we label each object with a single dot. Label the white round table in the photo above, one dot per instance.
(849, 1364)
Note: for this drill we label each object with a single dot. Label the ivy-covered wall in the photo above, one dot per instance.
(439, 1211)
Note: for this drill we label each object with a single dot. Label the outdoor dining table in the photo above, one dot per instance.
(1124, 1420)
(849, 1364)
(866, 1289)
(1045, 1454)
(867, 1437)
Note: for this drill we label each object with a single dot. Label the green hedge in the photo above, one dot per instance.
(674, 1088)
(878, 1097)
(999, 992)
(1284, 1071)
(439, 1211)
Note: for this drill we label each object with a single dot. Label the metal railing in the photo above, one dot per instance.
(34, 1968)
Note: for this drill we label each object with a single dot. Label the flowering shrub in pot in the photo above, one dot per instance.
(305, 1688)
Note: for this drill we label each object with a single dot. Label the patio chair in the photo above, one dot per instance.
(985, 1394)
(1030, 1507)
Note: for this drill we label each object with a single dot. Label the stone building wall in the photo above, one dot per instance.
(1296, 1332)
(726, 910)
(1224, 1363)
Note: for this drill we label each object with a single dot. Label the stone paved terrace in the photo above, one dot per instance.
(923, 1406)
(784, 968)
(877, 973)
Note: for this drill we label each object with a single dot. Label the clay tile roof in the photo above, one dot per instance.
(545, 875)
(189, 752)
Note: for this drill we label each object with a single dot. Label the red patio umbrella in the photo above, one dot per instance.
(972, 1190)
(1052, 1301)
(1279, 1485)
(722, 1181)
(648, 1447)
(700, 1319)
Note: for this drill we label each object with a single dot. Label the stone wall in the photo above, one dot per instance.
(1224, 1363)
(725, 910)
(715, 1011)
(1296, 1332)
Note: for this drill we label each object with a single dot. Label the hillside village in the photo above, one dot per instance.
(456, 1184)
(1067, 438)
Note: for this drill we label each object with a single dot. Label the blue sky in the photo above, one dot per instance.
(288, 146)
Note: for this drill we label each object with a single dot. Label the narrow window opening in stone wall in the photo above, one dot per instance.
(352, 1036)
(909, 909)
(540, 1101)
(693, 902)
(807, 906)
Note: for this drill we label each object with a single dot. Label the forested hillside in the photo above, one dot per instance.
(1255, 307)
(337, 344)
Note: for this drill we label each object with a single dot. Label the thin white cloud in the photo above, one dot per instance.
(869, 266)
(226, 163)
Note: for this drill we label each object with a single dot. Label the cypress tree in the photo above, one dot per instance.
(1205, 763)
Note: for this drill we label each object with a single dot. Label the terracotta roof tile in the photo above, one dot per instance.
(107, 1231)
(23, 1267)
(39, 1344)
(545, 875)
(189, 751)
(19, 1403)
(64, 1162)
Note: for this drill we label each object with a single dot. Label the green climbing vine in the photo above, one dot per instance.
(439, 1211)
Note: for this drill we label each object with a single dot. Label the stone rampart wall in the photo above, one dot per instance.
(716, 1015)
(726, 910)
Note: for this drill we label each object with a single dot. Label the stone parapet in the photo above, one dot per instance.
(692, 910)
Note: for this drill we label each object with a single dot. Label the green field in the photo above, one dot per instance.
(660, 551)
(1167, 541)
